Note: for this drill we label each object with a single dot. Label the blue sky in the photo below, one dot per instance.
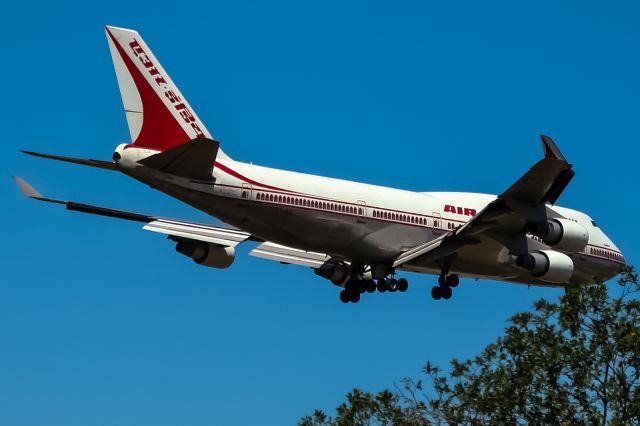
(103, 323)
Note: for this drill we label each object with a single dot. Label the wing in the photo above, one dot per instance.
(506, 219)
(176, 229)
(179, 230)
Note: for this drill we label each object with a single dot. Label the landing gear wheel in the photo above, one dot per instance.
(355, 297)
(446, 292)
(403, 285)
(345, 297)
(435, 293)
(392, 285)
(453, 280)
(382, 285)
(442, 280)
(353, 285)
(371, 286)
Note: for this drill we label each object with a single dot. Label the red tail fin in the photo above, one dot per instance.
(159, 117)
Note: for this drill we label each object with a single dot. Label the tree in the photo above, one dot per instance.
(575, 362)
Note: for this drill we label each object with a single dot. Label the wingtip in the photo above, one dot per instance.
(550, 148)
(26, 188)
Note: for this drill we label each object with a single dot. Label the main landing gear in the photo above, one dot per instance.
(445, 283)
(357, 286)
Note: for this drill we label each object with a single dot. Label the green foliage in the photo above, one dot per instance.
(576, 362)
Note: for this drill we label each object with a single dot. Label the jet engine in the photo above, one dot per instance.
(207, 254)
(548, 265)
(338, 273)
(562, 234)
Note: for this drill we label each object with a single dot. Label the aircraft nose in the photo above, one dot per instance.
(619, 256)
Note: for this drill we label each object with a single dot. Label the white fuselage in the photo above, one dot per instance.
(364, 223)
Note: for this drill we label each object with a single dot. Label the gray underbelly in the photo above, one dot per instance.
(359, 239)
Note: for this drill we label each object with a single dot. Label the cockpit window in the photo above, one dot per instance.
(593, 222)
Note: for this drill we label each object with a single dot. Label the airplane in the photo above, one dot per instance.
(355, 235)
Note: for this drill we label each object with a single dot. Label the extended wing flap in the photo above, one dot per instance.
(419, 250)
(445, 244)
(284, 254)
(200, 232)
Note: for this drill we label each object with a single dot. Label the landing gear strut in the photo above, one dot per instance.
(446, 282)
(392, 285)
(347, 296)
(443, 289)
(353, 289)
(357, 285)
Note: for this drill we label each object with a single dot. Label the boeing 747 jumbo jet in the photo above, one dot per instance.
(355, 235)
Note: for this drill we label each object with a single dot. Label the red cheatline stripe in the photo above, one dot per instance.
(246, 179)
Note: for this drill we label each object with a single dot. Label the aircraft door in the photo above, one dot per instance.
(246, 191)
(437, 222)
(361, 211)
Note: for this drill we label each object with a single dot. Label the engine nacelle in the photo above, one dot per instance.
(338, 273)
(207, 254)
(563, 234)
(567, 235)
(548, 265)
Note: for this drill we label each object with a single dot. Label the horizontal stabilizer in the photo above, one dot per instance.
(193, 159)
(101, 164)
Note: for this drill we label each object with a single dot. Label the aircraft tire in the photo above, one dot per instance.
(392, 285)
(446, 292)
(382, 285)
(403, 285)
(371, 286)
(355, 297)
(435, 293)
(453, 280)
(442, 280)
(345, 297)
(352, 285)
